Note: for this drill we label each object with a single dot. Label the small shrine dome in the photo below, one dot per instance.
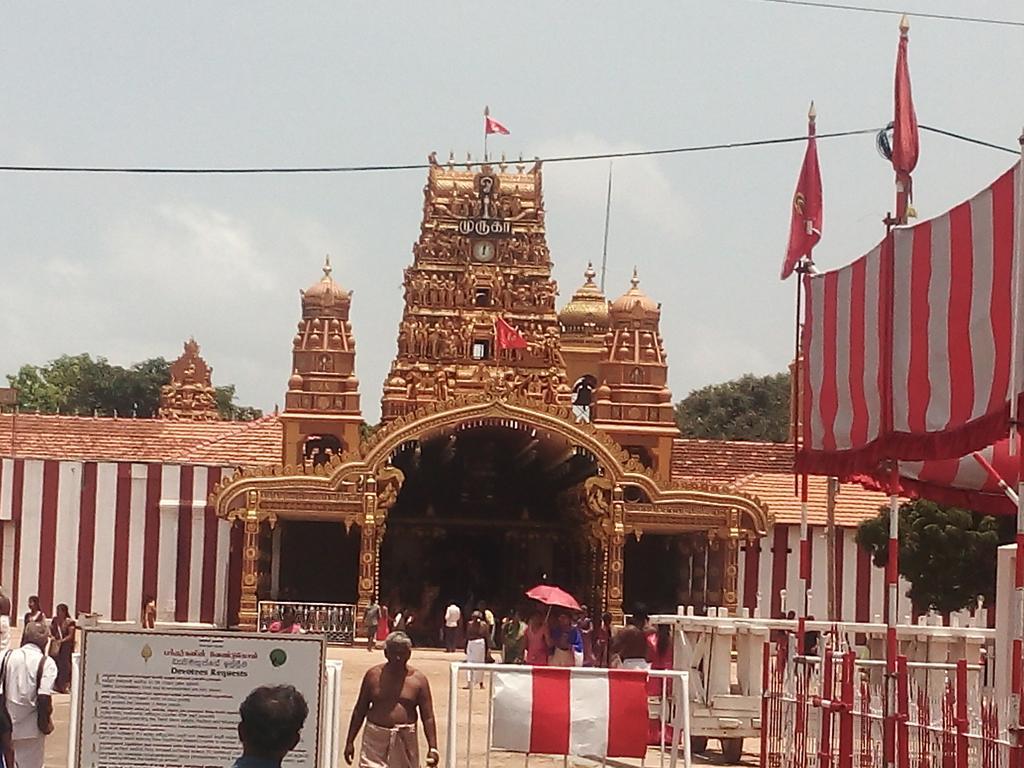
(325, 292)
(635, 303)
(588, 307)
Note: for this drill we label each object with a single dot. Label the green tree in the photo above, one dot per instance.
(947, 554)
(748, 408)
(80, 385)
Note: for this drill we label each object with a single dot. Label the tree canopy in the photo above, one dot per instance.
(748, 408)
(948, 555)
(81, 385)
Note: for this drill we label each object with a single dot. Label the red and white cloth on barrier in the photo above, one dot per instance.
(545, 710)
(907, 350)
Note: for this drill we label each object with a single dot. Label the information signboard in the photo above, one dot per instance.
(171, 698)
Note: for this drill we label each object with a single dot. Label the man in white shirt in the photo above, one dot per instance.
(28, 686)
(452, 617)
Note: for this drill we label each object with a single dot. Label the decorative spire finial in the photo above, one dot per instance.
(589, 273)
(812, 113)
(904, 24)
(327, 266)
(635, 279)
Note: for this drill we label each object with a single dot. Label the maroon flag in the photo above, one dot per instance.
(805, 224)
(508, 337)
(905, 144)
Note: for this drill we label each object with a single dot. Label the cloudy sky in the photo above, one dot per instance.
(130, 266)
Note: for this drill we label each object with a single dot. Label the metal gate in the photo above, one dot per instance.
(838, 710)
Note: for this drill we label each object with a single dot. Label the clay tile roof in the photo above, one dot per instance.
(853, 503)
(83, 438)
(723, 461)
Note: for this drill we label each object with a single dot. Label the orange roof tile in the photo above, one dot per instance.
(853, 503)
(721, 461)
(85, 438)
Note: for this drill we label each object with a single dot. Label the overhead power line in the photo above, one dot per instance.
(382, 167)
(894, 12)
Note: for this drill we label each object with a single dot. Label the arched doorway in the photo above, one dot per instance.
(488, 509)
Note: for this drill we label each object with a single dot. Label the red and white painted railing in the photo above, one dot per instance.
(830, 712)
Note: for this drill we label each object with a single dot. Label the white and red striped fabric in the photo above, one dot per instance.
(963, 482)
(907, 350)
(101, 535)
(552, 711)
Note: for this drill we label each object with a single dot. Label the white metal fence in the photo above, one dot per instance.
(471, 722)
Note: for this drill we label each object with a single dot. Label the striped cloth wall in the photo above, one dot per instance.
(771, 565)
(101, 535)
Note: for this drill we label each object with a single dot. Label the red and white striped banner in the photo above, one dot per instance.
(547, 710)
(907, 350)
(965, 482)
(101, 535)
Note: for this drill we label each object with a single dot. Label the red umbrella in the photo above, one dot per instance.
(551, 595)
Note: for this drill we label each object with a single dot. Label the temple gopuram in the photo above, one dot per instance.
(497, 465)
(519, 442)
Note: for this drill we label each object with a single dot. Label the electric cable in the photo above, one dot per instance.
(383, 167)
(893, 12)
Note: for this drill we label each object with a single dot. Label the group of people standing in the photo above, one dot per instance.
(29, 676)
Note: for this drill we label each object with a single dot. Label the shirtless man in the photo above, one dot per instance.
(630, 642)
(388, 700)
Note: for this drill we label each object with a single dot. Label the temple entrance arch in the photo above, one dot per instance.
(484, 474)
(488, 509)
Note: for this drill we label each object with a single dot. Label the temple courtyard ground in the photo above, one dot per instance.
(435, 664)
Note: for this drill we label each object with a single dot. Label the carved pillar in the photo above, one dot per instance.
(251, 518)
(615, 564)
(369, 547)
(730, 586)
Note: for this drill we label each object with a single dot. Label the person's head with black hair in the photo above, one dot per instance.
(272, 720)
(640, 616)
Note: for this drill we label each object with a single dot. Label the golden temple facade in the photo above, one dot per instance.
(497, 463)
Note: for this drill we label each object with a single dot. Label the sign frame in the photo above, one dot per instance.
(314, 741)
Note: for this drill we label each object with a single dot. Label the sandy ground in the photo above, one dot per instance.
(435, 664)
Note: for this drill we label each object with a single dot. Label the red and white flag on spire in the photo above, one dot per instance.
(493, 126)
(805, 224)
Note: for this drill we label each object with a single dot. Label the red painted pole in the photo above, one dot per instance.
(902, 713)
(891, 618)
(846, 713)
(961, 713)
(827, 708)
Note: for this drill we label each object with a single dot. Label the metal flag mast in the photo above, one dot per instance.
(607, 218)
(803, 268)
(1017, 626)
(904, 159)
(487, 114)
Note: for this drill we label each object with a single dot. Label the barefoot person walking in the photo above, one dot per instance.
(389, 698)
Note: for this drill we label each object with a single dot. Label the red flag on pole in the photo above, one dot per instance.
(493, 126)
(905, 145)
(506, 336)
(805, 225)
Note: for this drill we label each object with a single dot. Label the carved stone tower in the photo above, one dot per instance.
(633, 403)
(584, 322)
(190, 395)
(321, 408)
(481, 259)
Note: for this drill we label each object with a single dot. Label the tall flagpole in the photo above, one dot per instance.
(802, 269)
(607, 218)
(1017, 661)
(487, 113)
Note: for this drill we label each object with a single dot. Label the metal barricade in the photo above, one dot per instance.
(469, 746)
(335, 621)
(834, 711)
